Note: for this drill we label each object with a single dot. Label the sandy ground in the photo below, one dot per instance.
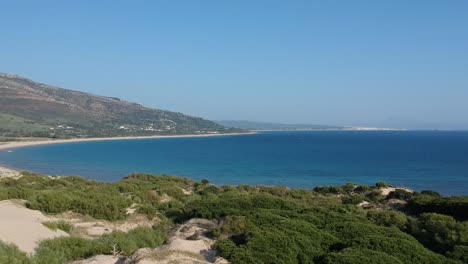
(188, 244)
(190, 238)
(18, 144)
(9, 173)
(23, 227)
(103, 259)
(387, 190)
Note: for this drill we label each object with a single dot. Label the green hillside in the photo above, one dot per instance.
(28, 108)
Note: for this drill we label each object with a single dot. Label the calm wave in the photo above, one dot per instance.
(420, 160)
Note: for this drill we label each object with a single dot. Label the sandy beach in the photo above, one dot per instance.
(9, 173)
(19, 144)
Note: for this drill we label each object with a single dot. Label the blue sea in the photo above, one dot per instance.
(417, 159)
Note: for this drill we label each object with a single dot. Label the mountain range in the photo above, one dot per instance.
(29, 108)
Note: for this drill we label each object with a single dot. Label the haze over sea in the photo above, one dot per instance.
(436, 160)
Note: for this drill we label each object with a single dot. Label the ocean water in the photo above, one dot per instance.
(420, 160)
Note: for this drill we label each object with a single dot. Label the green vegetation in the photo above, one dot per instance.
(62, 225)
(11, 254)
(453, 206)
(382, 184)
(264, 228)
(64, 249)
(107, 201)
(23, 126)
(61, 250)
(46, 112)
(258, 224)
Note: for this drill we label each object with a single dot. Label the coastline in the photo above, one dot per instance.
(7, 172)
(20, 144)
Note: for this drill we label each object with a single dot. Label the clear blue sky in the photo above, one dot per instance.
(373, 63)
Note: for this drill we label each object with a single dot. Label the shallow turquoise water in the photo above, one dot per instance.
(420, 160)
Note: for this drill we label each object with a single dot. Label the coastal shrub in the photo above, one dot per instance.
(50, 202)
(205, 181)
(258, 224)
(172, 191)
(62, 225)
(400, 194)
(460, 253)
(388, 218)
(382, 184)
(173, 209)
(389, 240)
(209, 189)
(10, 253)
(274, 239)
(17, 192)
(362, 189)
(149, 187)
(358, 255)
(101, 205)
(148, 209)
(352, 199)
(456, 207)
(3, 193)
(263, 228)
(430, 193)
(440, 233)
(328, 189)
(97, 200)
(234, 225)
(349, 187)
(159, 180)
(153, 197)
(139, 237)
(64, 249)
(375, 195)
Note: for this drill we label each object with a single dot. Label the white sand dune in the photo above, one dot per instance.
(9, 173)
(188, 244)
(23, 227)
(388, 190)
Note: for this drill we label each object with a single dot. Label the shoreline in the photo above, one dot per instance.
(7, 172)
(20, 144)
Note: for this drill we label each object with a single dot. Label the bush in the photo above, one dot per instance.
(358, 255)
(173, 191)
(65, 249)
(11, 254)
(205, 181)
(349, 187)
(388, 218)
(362, 189)
(328, 189)
(431, 193)
(62, 225)
(375, 195)
(456, 207)
(382, 184)
(460, 253)
(440, 233)
(352, 199)
(147, 209)
(400, 194)
(209, 189)
(139, 237)
(257, 224)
